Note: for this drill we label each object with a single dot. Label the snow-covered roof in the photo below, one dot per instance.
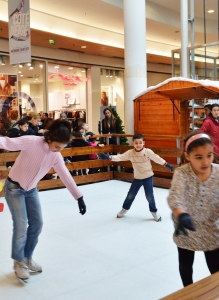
(205, 82)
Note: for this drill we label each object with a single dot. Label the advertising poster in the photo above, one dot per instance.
(9, 106)
(19, 31)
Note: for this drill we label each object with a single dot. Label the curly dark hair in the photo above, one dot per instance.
(58, 131)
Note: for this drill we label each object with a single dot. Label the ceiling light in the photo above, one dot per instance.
(70, 68)
(29, 64)
(2, 61)
(84, 47)
(21, 65)
(21, 75)
(83, 71)
(107, 73)
(210, 11)
(19, 71)
(56, 67)
(111, 73)
(116, 73)
(41, 65)
(32, 65)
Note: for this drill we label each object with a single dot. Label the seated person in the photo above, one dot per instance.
(19, 130)
(45, 120)
(93, 143)
(79, 141)
(87, 134)
(33, 120)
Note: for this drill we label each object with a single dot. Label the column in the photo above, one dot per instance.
(184, 38)
(93, 98)
(135, 56)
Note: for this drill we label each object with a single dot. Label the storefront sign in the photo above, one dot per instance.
(72, 80)
(19, 31)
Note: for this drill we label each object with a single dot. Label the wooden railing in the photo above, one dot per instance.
(121, 170)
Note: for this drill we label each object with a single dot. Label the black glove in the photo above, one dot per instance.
(82, 206)
(184, 221)
(103, 156)
(169, 166)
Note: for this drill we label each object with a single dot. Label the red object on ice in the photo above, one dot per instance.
(1, 207)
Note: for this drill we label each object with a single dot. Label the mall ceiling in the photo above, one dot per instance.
(108, 15)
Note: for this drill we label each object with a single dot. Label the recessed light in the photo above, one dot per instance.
(29, 64)
(83, 71)
(70, 68)
(21, 75)
(83, 46)
(41, 65)
(30, 68)
(56, 67)
(210, 11)
(19, 71)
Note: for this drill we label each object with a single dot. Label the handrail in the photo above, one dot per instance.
(131, 135)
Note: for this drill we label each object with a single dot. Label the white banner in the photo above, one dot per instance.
(19, 31)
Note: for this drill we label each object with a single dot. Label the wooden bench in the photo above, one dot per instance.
(205, 289)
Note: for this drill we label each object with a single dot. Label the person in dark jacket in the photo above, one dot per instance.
(110, 124)
(33, 122)
(79, 141)
(211, 126)
(20, 129)
(45, 120)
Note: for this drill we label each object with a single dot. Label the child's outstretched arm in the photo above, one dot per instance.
(103, 156)
(120, 157)
(169, 166)
(156, 158)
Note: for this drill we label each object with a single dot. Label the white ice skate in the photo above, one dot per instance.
(21, 270)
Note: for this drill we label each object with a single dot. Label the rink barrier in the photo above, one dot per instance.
(109, 170)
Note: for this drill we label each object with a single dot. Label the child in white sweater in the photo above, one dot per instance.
(143, 174)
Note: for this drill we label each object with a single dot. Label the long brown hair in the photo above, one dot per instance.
(112, 121)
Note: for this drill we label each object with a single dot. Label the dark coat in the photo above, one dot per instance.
(112, 129)
(15, 132)
(33, 130)
(79, 143)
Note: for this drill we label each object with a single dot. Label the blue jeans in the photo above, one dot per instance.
(148, 189)
(27, 219)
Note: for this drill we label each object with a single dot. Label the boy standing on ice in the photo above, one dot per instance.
(140, 158)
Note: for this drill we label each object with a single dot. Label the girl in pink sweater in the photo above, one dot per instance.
(38, 155)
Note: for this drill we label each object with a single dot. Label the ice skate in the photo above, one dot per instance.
(21, 270)
(32, 265)
(156, 216)
(121, 213)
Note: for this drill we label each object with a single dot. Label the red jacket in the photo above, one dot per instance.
(211, 127)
